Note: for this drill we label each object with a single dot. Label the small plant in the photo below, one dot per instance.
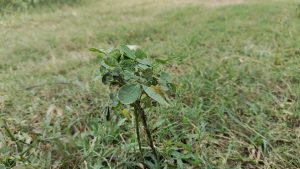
(136, 83)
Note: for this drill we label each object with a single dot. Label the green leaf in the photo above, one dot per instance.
(128, 65)
(103, 70)
(113, 98)
(129, 53)
(165, 77)
(100, 53)
(104, 65)
(128, 75)
(143, 67)
(140, 54)
(111, 62)
(115, 53)
(116, 71)
(129, 93)
(144, 61)
(164, 86)
(97, 50)
(148, 74)
(155, 96)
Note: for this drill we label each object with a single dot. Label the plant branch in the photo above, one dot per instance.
(137, 128)
(139, 109)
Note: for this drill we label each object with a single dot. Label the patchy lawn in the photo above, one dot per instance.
(236, 64)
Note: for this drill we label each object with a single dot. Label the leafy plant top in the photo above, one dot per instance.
(135, 81)
(133, 76)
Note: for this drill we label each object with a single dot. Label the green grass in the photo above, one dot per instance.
(13, 6)
(236, 66)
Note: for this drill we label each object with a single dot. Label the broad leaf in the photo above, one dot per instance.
(164, 86)
(128, 65)
(115, 54)
(104, 65)
(129, 93)
(125, 50)
(145, 61)
(165, 77)
(140, 54)
(103, 69)
(154, 95)
(110, 61)
(128, 75)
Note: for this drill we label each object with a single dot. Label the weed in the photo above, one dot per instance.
(134, 81)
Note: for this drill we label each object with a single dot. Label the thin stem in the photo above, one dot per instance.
(137, 128)
(107, 113)
(139, 109)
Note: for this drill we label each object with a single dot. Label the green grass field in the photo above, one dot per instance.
(236, 66)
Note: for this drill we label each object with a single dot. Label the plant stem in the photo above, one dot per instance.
(107, 114)
(139, 109)
(137, 128)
